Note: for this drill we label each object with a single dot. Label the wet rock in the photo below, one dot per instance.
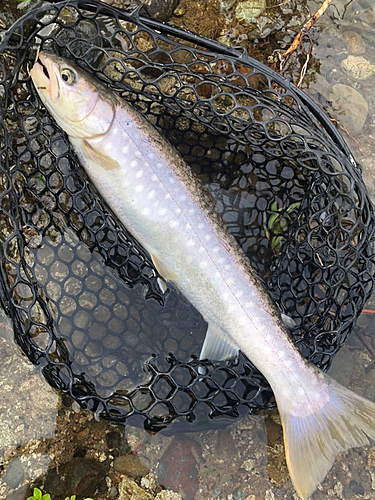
(248, 12)
(177, 468)
(130, 465)
(20, 493)
(79, 476)
(319, 86)
(357, 67)
(14, 473)
(354, 43)
(350, 107)
(159, 9)
(129, 490)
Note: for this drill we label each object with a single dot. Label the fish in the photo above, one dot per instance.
(154, 194)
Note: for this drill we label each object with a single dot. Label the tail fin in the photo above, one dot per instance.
(312, 443)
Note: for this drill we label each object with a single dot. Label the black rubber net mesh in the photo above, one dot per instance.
(82, 293)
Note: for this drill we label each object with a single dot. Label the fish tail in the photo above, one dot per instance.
(312, 442)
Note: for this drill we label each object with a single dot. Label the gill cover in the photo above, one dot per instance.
(79, 105)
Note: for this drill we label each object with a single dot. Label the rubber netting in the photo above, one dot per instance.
(82, 293)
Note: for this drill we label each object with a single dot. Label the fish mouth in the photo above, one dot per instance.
(44, 67)
(44, 76)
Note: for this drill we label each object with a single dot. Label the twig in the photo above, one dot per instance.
(348, 133)
(363, 338)
(305, 28)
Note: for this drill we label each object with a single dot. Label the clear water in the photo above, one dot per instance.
(246, 460)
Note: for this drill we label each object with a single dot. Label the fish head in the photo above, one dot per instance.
(81, 106)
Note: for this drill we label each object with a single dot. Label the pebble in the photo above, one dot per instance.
(350, 106)
(129, 490)
(168, 495)
(357, 67)
(356, 488)
(248, 12)
(130, 465)
(354, 43)
(14, 473)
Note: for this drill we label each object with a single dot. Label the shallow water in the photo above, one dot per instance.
(245, 460)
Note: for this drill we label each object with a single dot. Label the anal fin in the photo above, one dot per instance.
(216, 347)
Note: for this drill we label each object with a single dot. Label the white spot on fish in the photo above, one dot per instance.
(125, 149)
(139, 173)
(239, 294)
(145, 211)
(139, 188)
(300, 392)
(151, 156)
(162, 211)
(216, 249)
(203, 264)
(200, 226)
(190, 243)
(201, 249)
(207, 237)
(154, 177)
(151, 194)
(183, 197)
(167, 196)
(242, 321)
(171, 180)
(288, 363)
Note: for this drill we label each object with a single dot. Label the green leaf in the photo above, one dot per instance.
(37, 494)
(274, 207)
(46, 496)
(293, 207)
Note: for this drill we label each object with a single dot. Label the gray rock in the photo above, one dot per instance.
(14, 473)
(350, 107)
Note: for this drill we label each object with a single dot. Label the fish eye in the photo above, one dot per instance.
(68, 76)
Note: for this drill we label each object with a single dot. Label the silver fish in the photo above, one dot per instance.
(152, 191)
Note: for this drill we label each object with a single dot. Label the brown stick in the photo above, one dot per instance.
(367, 343)
(306, 27)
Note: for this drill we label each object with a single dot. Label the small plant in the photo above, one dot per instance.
(38, 495)
(277, 224)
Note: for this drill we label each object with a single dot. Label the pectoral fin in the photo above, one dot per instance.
(99, 158)
(216, 347)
